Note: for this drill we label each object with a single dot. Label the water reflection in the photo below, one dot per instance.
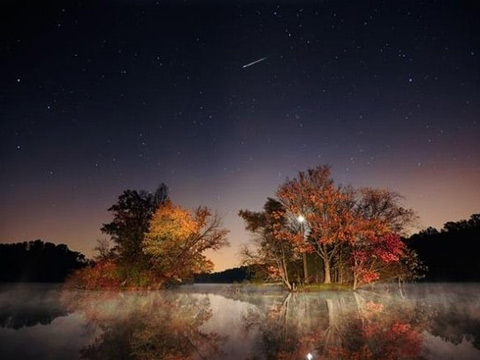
(19, 309)
(158, 325)
(198, 322)
(347, 326)
(371, 324)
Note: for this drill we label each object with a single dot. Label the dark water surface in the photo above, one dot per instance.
(438, 321)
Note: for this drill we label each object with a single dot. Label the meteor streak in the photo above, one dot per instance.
(254, 62)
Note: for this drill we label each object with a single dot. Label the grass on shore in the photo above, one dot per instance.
(324, 287)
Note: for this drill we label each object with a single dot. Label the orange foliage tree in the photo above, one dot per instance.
(103, 274)
(172, 250)
(177, 239)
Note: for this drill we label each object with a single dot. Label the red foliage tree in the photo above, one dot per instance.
(373, 256)
(355, 232)
(326, 211)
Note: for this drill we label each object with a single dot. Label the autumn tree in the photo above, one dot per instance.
(275, 256)
(374, 256)
(154, 242)
(131, 217)
(385, 207)
(326, 210)
(355, 233)
(177, 240)
(120, 260)
(375, 247)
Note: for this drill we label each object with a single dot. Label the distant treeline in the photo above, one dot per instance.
(38, 261)
(451, 254)
(229, 276)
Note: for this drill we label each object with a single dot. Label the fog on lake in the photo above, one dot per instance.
(434, 321)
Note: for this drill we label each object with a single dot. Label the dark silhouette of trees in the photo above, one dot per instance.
(452, 253)
(131, 217)
(38, 261)
(104, 249)
(229, 276)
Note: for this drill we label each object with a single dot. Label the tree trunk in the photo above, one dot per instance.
(305, 268)
(326, 270)
(285, 279)
(287, 284)
(332, 337)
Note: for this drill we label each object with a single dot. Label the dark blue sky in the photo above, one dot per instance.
(98, 98)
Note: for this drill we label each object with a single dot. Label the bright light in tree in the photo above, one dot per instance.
(301, 218)
(309, 355)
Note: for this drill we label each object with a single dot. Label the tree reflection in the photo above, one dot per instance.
(146, 326)
(360, 325)
(288, 327)
(457, 316)
(382, 328)
(26, 306)
(181, 324)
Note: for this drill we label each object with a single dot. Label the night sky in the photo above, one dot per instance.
(99, 98)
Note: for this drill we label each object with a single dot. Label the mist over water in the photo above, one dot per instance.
(423, 321)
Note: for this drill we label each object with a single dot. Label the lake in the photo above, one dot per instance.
(423, 321)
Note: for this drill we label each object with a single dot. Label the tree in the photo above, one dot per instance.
(38, 261)
(177, 239)
(275, 256)
(324, 207)
(373, 257)
(385, 207)
(376, 249)
(104, 249)
(463, 225)
(450, 254)
(131, 217)
(354, 232)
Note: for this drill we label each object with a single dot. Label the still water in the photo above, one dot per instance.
(440, 321)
